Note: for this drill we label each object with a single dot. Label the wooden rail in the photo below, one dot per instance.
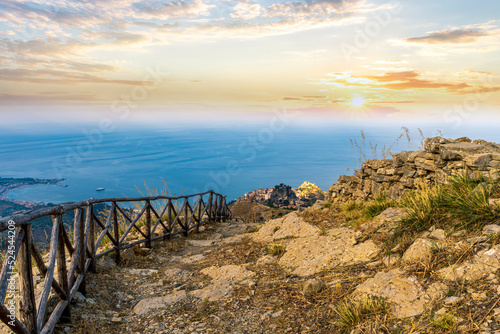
(89, 230)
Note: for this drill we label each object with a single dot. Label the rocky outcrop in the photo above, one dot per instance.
(405, 295)
(439, 159)
(309, 193)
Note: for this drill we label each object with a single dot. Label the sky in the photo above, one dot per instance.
(191, 60)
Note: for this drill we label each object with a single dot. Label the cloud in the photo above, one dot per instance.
(458, 36)
(457, 83)
(171, 9)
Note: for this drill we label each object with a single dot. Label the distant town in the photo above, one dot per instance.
(8, 206)
(284, 196)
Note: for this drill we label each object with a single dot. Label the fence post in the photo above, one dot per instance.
(61, 270)
(116, 235)
(169, 220)
(27, 305)
(81, 249)
(186, 220)
(209, 203)
(148, 224)
(90, 238)
(200, 199)
(224, 209)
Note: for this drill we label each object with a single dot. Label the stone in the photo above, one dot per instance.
(105, 263)
(142, 251)
(425, 164)
(405, 295)
(312, 287)
(494, 203)
(173, 274)
(78, 297)
(140, 272)
(266, 259)
(421, 248)
(116, 319)
(490, 229)
(290, 225)
(432, 145)
(437, 290)
(149, 304)
(451, 301)
(193, 258)
(480, 266)
(230, 272)
(449, 155)
(224, 279)
(128, 255)
(304, 255)
(391, 260)
(480, 161)
(437, 234)
(201, 243)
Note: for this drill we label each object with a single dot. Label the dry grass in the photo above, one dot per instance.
(351, 312)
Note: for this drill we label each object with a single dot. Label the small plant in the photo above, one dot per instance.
(422, 206)
(378, 205)
(276, 229)
(351, 312)
(276, 249)
(323, 232)
(468, 199)
(447, 321)
(254, 229)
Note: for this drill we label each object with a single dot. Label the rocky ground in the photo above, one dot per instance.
(305, 272)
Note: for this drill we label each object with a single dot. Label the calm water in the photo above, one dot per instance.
(228, 159)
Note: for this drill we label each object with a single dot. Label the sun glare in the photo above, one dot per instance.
(358, 101)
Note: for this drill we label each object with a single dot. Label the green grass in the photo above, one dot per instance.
(276, 249)
(351, 312)
(378, 205)
(461, 201)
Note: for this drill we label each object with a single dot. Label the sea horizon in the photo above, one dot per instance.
(230, 159)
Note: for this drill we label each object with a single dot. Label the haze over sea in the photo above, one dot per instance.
(228, 158)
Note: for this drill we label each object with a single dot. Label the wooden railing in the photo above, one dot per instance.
(162, 212)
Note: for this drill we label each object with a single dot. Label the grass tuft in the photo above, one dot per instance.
(351, 312)
(276, 249)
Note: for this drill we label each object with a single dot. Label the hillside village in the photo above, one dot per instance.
(284, 196)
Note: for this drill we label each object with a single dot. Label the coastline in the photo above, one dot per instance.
(4, 190)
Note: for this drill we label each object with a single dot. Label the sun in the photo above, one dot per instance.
(358, 101)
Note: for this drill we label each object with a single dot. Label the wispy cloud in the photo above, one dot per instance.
(458, 36)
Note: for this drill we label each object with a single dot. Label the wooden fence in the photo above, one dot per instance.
(156, 213)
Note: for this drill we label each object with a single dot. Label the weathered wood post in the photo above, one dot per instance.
(61, 270)
(224, 209)
(200, 200)
(148, 224)
(27, 304)
(210, 205)
(169, 220)
(186, 221)
(80, 247)
(116, 235)
(91, 237)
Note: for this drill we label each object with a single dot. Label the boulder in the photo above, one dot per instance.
(405, 295)
(148, 304)
(480, 266)
(312, 287)
(420, 249)
(290, 225)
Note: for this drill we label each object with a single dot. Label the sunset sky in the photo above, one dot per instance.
(73, 60)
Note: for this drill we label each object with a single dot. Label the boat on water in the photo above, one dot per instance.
(99, 189)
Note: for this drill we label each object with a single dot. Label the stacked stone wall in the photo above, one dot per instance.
(439, 159)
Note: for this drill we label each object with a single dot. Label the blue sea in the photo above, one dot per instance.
(229, 158)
